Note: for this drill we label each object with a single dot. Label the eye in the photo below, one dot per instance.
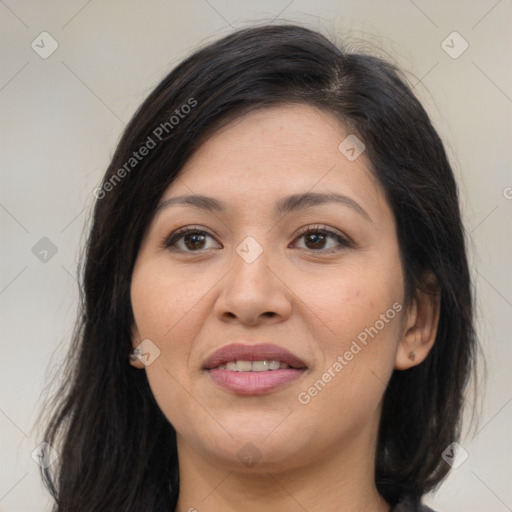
(321, 239)
(188, 239)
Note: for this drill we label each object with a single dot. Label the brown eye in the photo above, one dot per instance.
(194, 241)
(188, 240)
(315, 240)
(321, 240)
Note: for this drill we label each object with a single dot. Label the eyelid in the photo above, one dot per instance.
(342, 239)
(185, 230)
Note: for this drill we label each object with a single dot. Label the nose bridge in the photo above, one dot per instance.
(252, 288)
(251, 266)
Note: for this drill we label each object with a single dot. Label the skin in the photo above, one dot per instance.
(314, 456)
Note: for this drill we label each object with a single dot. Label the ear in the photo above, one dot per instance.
(134, 360)
(420, 327)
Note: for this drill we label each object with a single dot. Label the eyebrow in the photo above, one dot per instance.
(285, 205)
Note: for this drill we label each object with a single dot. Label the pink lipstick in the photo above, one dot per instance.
(253, 369)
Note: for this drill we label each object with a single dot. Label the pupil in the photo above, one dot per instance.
(317, 239)
(194, 241)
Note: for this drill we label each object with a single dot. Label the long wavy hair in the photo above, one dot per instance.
(117, 450)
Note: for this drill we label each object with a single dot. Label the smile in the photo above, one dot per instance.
(253, 366)
(253, 369)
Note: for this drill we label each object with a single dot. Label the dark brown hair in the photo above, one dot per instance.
(117, 450)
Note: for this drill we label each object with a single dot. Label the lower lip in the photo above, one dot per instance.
(254, 383)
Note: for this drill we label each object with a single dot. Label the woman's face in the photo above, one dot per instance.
(293, 245)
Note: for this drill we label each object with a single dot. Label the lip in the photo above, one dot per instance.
(259, 352)
(253, 383)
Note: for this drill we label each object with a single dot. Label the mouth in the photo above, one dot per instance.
(253, 369)
(263, 365)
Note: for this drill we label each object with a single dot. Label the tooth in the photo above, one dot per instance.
(260, 366)
(253, 366)
(243, 366)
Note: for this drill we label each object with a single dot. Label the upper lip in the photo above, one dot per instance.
(259, 352)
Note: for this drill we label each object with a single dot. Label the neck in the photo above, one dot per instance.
(340, 479)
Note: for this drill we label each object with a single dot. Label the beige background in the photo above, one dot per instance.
(62, 116)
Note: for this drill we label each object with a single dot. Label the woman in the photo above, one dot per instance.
(277, 309)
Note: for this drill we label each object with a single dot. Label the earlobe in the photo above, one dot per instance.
(133, 359)
(420, 330)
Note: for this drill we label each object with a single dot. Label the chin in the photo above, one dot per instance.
(256, 448)
(248, 456)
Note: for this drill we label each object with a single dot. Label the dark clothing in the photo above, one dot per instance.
(408, 506)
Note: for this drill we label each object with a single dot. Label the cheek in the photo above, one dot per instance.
(164, 307)
(356, 314)
(348, 299)
(164, 303)
(358, 340)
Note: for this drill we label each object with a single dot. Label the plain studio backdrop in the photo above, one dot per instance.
(72, 75)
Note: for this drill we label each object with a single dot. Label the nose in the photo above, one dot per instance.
(253, 293)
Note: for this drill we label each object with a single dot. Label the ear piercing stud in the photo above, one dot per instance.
(134, 355)
(412, 356)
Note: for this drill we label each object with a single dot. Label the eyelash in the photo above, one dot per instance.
(342, 241)
(180, 233)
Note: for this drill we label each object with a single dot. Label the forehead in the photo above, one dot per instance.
(287, 149)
